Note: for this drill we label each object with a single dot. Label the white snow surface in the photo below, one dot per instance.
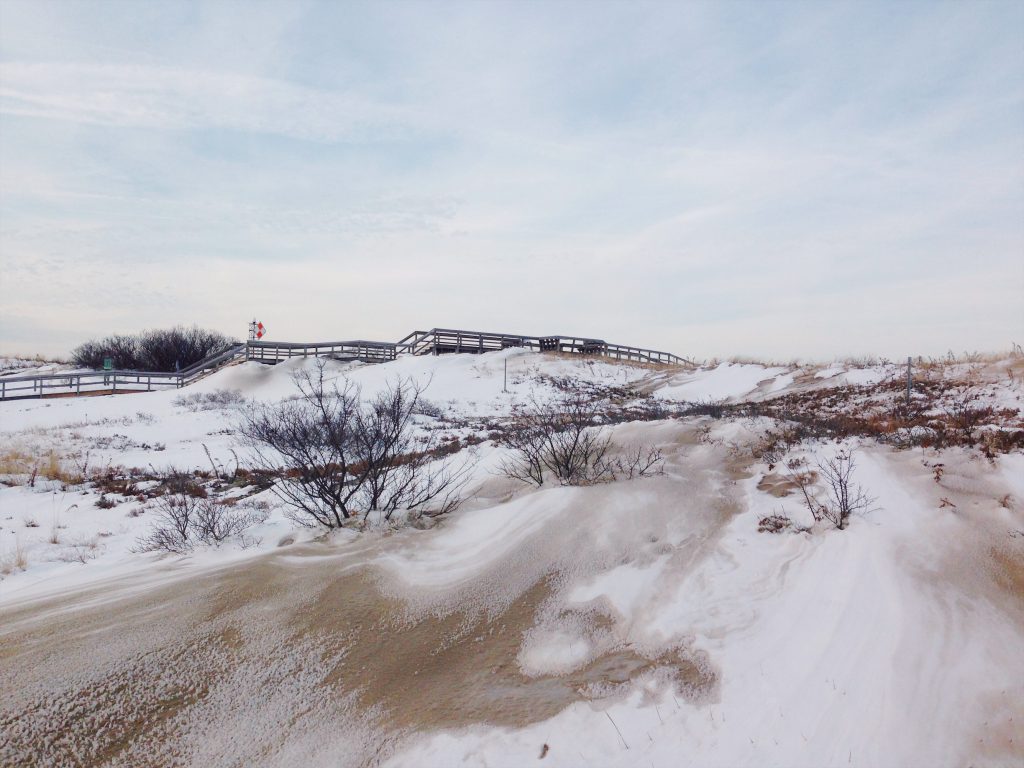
(888, 644)
(727, 380)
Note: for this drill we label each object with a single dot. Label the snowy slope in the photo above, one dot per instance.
(645, 622)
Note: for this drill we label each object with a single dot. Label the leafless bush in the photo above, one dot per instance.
(175, 481)
(428, 408)
(215, 522)
(844, 497)
(210, 401)
(81, 551)
(154, 350)
(804, 479)
(565, 438)
(122, 349)
(175, 517)
(184, 521)
(964, 414)
(640, 461)
(716, 409)
(340, 456)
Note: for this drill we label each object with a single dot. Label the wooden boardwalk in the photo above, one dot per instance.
(436, 341)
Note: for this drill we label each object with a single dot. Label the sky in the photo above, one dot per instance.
(782, 180)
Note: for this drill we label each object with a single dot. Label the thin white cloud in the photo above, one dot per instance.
(711, 179)
(165, 98)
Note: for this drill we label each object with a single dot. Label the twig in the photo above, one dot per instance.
(616, 729)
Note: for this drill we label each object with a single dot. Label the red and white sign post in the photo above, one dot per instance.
(256, 330)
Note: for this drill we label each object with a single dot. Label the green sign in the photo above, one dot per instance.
(108, 363)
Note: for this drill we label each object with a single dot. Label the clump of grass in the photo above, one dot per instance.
(19, 467)
(14, 561)
(14, 463)
(210, 401)
(81, 551)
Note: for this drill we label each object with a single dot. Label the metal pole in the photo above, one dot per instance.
(505, 388)
(908, 382)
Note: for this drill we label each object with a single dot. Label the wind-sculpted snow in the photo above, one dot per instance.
(642, 622)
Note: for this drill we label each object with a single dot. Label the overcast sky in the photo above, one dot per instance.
(776, 179)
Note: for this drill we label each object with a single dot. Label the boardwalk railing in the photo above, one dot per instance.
(74, 383)
(446, 340)
(436, 341)
(366, 351)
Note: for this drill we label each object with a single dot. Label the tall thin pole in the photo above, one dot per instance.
(505, 388)
(909, 379)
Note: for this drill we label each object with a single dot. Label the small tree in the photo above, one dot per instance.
(340, 456)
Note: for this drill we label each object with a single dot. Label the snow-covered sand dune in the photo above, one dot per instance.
(643, 622)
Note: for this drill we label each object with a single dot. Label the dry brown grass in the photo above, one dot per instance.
(15, 560)
(766, 362)
(15, 462)
(944, 413)
(20, 465)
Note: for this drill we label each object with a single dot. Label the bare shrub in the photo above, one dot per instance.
(184, 521)
(215, 522)
(428, 408)
(964, 414)
(716, 409)
(640, 461)
(845, 498)
(153, 350)
(121, 349)
(175, 481)
(175, 517)
(340, 456)
(565, 438)
(210, 401)
(804, 479)
(80, 551)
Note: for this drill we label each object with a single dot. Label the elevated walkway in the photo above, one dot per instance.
(436, 341)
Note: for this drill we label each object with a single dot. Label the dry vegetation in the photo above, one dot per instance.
(942, 413)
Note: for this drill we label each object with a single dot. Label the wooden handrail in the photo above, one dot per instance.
(435, 341)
